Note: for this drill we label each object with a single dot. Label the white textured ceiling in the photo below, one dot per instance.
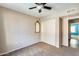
(23, 8)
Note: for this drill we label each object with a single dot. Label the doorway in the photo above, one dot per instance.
(73, 34)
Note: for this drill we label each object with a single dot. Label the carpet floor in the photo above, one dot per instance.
(43, 49)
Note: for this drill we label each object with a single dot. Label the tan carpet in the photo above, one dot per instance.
(43, 49)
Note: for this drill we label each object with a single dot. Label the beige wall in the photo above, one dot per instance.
(2, 35)
(19, 30)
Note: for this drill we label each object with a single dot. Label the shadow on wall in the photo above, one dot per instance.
(2, 36)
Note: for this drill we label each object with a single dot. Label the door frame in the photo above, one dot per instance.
(60, 31)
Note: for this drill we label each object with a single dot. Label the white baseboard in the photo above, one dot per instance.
(57, 46)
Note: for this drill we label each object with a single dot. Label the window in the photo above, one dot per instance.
(74, 29)
(37, 26)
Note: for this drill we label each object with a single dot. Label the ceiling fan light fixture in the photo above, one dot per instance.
(39, 7)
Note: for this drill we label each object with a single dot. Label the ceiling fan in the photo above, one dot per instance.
(39, 6)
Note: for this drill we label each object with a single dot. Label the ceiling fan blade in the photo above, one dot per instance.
(43, 3)
(38, 3)
(32, 7)
(46, 7)
(40, 11)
